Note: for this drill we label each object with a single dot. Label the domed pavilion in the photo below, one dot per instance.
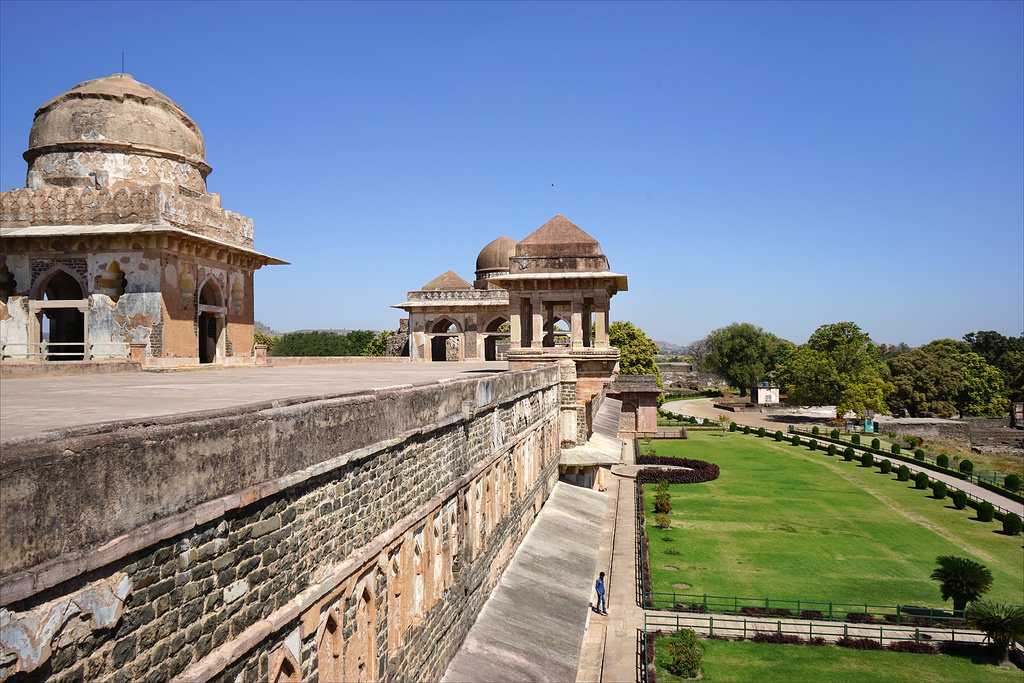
(115, 246)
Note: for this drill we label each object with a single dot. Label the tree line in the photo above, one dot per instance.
(840, 365)
(325, 343)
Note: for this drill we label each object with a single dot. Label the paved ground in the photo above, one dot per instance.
(531, 627)
(703, 408)
(32, 405)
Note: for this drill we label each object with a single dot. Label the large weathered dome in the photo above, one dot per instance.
(117, 114)
(495, 256)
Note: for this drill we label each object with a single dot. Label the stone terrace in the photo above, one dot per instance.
(30, 406)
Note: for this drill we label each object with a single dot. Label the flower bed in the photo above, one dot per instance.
(698, 471)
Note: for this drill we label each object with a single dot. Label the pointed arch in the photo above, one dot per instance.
(328, 647)
(283, 667)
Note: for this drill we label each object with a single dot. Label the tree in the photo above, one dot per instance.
(744, 354)
(323, 343)
(1003, 624)
(1005, 353)
(961, 579)
(378, 346)
(837, 366)
(636, 350)
(943, 378)
(269, 340)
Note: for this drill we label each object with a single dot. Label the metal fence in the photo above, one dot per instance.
(744, 628)
(47, 350)
(822, 610)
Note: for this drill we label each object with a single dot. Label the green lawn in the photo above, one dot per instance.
(741, 662)
(787, 523)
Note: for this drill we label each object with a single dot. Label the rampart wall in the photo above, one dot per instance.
(351, 537)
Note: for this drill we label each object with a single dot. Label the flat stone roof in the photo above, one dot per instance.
(34, 405)
(531, 627)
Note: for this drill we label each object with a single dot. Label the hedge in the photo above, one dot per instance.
(939, 489)
(778, 436)
(903, 473)
(942, 460)
(876, 444)
(1011, 524)
(831, 449)
(699, 472)
(895, 449)
(921, 480)
(959, 499)
(986, 511)
(855, 439)
(866, 459)
(1012, 482)
(796, 440)
(886, 466)
(848, 454)
(966, 466)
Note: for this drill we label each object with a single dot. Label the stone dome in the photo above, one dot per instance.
(494, 257)
(116, 114)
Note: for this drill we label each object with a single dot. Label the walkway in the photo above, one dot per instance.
(32, 405)
(703, 408)
(531, 627)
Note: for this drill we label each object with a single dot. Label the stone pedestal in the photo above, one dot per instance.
(259, 354)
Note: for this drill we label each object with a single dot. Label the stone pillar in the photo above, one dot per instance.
(537, 323)
(576, 323)
(601, 327)
(567, 403)
(515, 322)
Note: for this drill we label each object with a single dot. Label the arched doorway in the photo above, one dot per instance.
(62, 327)
(496, 339)
(212, 313)
(559, 334)
(446, 341)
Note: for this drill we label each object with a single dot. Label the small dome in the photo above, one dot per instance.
(495, 256)
(117, 114)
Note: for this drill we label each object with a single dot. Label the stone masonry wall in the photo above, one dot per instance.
(361, 560)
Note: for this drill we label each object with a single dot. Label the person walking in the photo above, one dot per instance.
(602, 607)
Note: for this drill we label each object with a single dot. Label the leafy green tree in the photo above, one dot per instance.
(840, 366)
(961, 579)
(323, 343)
(943, 378)
(378, 346)
(1003, 624)
(744, 354)
(269, 340)
(1005, 353)
(636, 350)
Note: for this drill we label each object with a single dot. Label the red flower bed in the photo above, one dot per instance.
(699, 471)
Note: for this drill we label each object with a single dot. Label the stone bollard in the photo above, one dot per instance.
(259, 353)
(137, 352)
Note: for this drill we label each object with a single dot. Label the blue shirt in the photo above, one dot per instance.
(599, 586)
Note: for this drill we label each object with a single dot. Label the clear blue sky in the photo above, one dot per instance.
(785, 164)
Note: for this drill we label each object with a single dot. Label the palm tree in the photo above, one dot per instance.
(1002, 623)
(962, 579)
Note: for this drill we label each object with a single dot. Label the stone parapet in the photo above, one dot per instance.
(148, 204)
(231, 539)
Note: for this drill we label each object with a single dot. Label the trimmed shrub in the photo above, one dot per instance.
(790, 429)
(859, 618)
(886, 466)
(796, 440)
(939, 489)
(1011, 524)
(834, 433)
(895, 449)
(685, 654)
(859, 643)
(914, 646)
(848, 454)
(959, 499)
(746, 429)
(903, 473)
(732, 426)
(921, 480)
(662, 521)
(966, 466)
(832, 449)
(813, 445)
(662, 503)
(814, 430)
(875, 443)
(919, 454)
(986, 512)
(1012, 482)
(855, 439)
(778, 436)
(760, 432)
(866, 459)
(942, 460)
(777, 638)
(698, 472)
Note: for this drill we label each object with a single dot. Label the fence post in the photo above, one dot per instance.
(673, 599)
(810, 630)
(830, 610)
(899, 614)
(880, 634)
(917, 634)
(953, 633)
(744, 629)
(711, 626)
(778, 626)
(735, 603)
(845, 627)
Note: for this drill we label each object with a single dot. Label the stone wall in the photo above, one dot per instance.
(353, 537)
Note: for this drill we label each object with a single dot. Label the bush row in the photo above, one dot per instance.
(699, 472)
(1012, 482)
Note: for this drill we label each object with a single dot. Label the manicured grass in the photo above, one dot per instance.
(741, 662)
(785, 522)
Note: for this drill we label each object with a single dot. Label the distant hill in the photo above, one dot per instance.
(670, 349)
